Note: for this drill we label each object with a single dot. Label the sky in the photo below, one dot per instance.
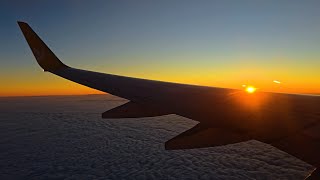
(226, 43)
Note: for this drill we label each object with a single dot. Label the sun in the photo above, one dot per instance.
(251, 89)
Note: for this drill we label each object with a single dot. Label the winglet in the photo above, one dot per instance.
(44, 56)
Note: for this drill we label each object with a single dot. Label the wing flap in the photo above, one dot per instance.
(303, 145)
(133, 110)
(201, 136)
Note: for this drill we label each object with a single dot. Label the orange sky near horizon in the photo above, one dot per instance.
(37, 83)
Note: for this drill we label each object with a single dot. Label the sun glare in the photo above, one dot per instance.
(251, 89)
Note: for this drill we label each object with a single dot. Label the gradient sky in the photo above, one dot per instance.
(215, 43)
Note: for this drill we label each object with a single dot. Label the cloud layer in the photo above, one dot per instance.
(65, 137)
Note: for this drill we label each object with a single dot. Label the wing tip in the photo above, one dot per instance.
(44, 56)
(21, 22)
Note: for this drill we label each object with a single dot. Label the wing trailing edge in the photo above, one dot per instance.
(133, 110)
(201, 136)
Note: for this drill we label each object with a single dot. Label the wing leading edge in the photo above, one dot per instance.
(280, 120)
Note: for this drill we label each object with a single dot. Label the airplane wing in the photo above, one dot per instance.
(286, 121)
